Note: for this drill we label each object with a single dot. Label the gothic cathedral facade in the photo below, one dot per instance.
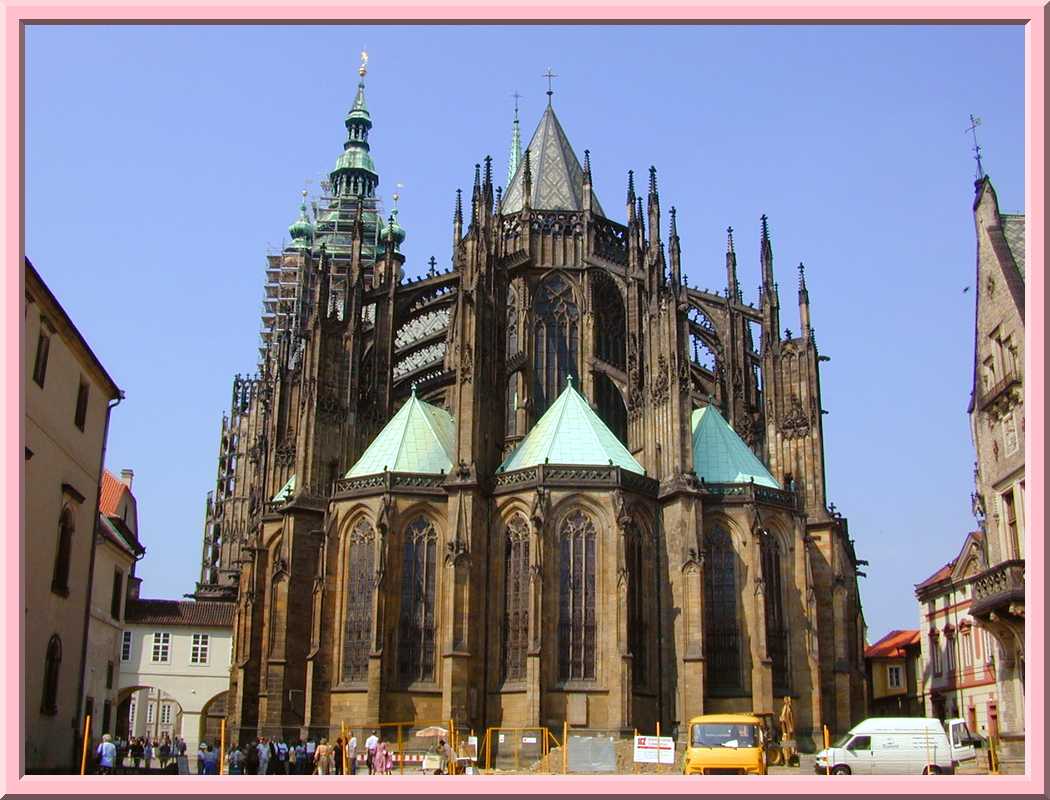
(551, 484)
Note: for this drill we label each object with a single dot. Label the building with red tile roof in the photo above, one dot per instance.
(894, 670)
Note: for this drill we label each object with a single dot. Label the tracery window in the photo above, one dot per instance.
(512, 405)
(577, 623)
(641, 586)
(557, 340)
(610, 405)
(418, 581)
(360, 589)
(776, 630)
(610, 328)
(515, 599)
(722, 629)
(512, 322)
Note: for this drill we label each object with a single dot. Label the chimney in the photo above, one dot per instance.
(127, 476)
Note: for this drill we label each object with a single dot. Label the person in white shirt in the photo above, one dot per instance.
(351, 754)
(371, 743)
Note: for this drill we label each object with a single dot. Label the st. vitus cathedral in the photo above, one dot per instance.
(552, 484)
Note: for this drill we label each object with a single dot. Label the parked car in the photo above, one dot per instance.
(898, 746)
(726, 744)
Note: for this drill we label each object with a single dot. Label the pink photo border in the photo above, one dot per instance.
(17, 12)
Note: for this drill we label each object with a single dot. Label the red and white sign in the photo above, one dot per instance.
(654, 750)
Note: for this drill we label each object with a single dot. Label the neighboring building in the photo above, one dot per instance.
(553, 484)
(958, 658)
(997, 423)
(895, 675)
(68, 397)
(175, 668)
(117, 549)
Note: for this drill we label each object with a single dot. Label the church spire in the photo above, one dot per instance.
(803, 301)
(732, 284)
(515, 143)
(355, 173)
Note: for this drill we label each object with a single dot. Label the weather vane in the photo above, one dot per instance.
(363, 69)
(550, 76)
(974, 122)
(516, 97)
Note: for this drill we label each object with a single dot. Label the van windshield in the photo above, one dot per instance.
(725, 735)
(841, 741)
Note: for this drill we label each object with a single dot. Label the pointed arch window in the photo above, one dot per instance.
(610, 404)
(360, 591)
(512, 322)
(52, 662)
(515, 598)
(610, 321)
(64, 554)
(721, 626)
(641, 587)
(577, 621)
(557, 340)
(418, 584)
(776, 630)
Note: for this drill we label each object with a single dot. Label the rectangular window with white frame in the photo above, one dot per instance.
(165, 714)
(161, 648)
(131, 714)
(199, 649)
(893, 677)
(149, 714)
(125, 646)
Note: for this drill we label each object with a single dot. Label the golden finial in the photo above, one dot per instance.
(397, 194)
(363, 69)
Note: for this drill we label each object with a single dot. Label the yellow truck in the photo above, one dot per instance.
(726, 744)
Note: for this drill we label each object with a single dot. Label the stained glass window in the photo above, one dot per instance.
(418, 583)
(577, 622)
(721, 628)
(776, 630)
(360, 588)
(640, 593)
(557, 335)
(515, 599)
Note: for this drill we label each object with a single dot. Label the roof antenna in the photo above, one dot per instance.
(550, 76)
(974, 122)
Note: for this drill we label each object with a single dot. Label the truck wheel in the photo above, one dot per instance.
(931, 770)
(841, 769)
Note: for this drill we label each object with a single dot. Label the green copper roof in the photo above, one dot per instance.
(418, 438)
(355, 157)
(359, 110)
(285, 494)
(570, 433)
(302, 230)
(557, 177)
(720, 455)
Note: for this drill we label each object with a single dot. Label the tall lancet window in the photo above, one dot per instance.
(557, 340)
(721, 627)
(515, 598)
(360, 589)
(610, 321)
(577, 621)
(641, 587)
(776, 630)
(417, 634)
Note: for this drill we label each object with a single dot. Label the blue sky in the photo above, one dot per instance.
(163, 162)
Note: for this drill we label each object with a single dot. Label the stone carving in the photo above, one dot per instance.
(623, 514)
(661, 383)
(796, 423)
(284, 455)
(466, 364)
(455, 551)
(383, 518)
(540, 506)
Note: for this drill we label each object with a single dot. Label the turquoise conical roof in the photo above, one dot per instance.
(418, 438)
(571, 433)
(286, 492)
(721, 456)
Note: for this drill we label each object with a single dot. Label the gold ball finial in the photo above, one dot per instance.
(363, 69)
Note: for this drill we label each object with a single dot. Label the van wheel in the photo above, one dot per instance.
(931, 770)
(841, 769)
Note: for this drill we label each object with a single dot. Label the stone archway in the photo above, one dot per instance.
(212, 714)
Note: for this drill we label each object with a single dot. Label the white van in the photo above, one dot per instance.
(899, 746)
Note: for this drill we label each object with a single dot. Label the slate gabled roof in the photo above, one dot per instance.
(570, 433)
(557, 177)
(1013, 232)
(418, 438)
(721, 456)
